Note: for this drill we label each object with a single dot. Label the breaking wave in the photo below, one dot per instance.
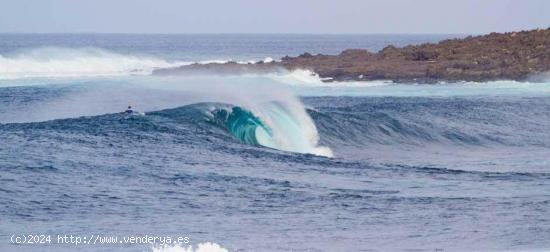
(277, 127)
(273, 125)
(244, 126)
(57, 62)
(60, 62)
(457, 132)
(81, 62)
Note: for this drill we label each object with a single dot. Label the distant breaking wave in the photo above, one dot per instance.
(57, 62)
(82, 62)
(29, 66)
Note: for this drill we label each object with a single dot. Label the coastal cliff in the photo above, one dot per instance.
(515, 56)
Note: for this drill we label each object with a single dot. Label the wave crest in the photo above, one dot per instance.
(277, 127)
(76, 62)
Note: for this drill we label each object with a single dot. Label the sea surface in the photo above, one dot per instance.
(261, 162)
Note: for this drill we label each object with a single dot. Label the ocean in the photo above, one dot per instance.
(260, 162)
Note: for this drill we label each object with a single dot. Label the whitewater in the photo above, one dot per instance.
(263, 162)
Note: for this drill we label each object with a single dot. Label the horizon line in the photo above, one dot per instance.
(225, 33)
(269, 33)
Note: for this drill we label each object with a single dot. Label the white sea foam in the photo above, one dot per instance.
(291, 127)
(201, 247)
(58, 62)
(268, 60)
(80, 62)
(214, 61)
(308, 78)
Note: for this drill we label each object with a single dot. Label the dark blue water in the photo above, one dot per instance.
(264, 163)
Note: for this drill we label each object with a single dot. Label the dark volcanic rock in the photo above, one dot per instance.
(515, 56)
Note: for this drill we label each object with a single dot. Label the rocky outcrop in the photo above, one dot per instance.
(229, 68)
(515, 55)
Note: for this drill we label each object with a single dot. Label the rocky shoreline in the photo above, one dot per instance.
(519, 56)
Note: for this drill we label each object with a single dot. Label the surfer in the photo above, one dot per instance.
(129, 110)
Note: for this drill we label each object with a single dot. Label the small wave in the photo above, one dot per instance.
(308, 78)
(268, 60)
(459, 121)
(201, 247)
(76, 62)
(243, 62)
(214, 61)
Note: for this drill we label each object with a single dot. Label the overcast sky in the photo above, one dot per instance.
(273, 16)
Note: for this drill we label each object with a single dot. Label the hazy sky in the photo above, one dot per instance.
(273, 16)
